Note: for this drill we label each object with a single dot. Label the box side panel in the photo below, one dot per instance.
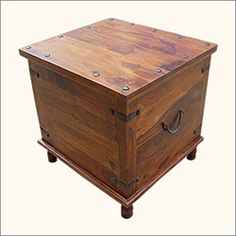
(75, 120)
(170, 121)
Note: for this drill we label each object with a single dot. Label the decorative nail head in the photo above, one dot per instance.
(96, 74)
(126, 88)
(158, 70)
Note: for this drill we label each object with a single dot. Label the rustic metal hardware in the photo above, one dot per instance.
(205, 69)
(44, 132)
(131, 23)
(126, 88)
(197, 129)
(111, 19)
(185, 56)
(123, 185)
(33, 73)
(124, 117)
(153, 29)
(47, 55)
(207, 44)
(88, 26)
(28, 47)
(158, 70)
(173, 131)
(60, 36)
(96, 73)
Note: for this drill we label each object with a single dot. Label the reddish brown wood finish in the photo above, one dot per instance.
(124, 54)
(51, 158)
(112, 193)
(126, 212)
(192, 155)
(121, 140)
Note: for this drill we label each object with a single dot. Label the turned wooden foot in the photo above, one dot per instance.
(192, 155)
(51, 158)
(126, 212)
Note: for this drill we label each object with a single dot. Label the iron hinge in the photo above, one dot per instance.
(124, 117)
(123, 185)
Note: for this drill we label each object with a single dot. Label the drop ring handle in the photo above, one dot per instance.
(173, 131)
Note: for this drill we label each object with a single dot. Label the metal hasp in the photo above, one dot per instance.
(123, 185)
(124, 117)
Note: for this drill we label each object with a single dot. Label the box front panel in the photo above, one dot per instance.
(171, 120)
(77, 122)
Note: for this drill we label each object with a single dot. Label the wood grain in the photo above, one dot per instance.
(123, 141)
(124, 54)
(78, 123)
(101, 185)
(155, 147)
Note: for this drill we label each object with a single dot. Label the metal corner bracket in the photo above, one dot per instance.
(124, 117)
(123, 185)
(205, 68)
(44, 132)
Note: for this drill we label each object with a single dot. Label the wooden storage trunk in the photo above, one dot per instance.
(120, 103)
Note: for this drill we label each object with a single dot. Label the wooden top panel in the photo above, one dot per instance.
(123, 53)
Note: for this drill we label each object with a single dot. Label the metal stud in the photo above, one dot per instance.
(153, 29)
(179, 36)
(158, 70)
(60, 36)
(185, 56)
(125, 88)
(131, 23)
(111, 19)
(88, 26)
(28, 47)
(207, 44)
(96, 74)
(47, 55)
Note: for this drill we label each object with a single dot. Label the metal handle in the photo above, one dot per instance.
(173, 131)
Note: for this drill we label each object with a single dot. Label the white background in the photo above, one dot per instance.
(43, 198)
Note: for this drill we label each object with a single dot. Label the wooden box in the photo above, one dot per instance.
(120, 103)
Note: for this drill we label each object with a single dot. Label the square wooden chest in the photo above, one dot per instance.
(120, 103)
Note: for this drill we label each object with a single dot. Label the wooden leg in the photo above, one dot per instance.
(51, 158)
(126, 212)
(192, 155)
